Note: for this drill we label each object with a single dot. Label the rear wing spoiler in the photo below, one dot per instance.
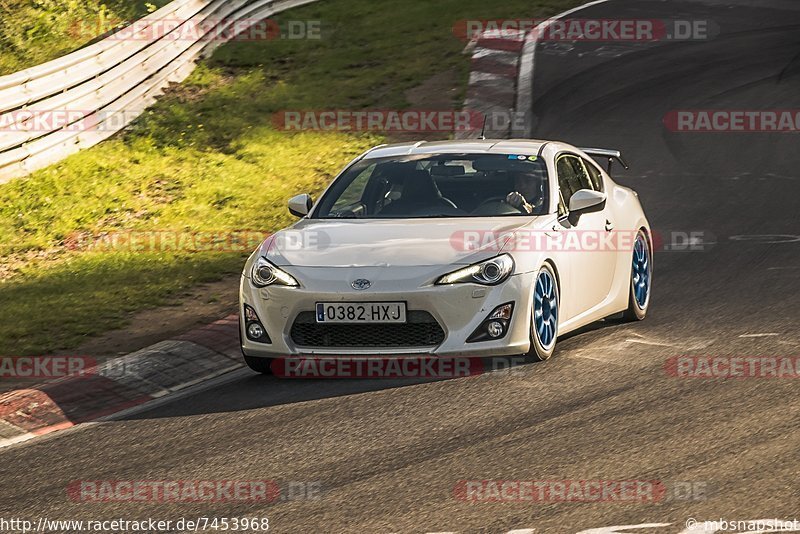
(611, 155)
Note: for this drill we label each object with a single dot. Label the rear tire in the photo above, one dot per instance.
(641, 280)
(544, 316)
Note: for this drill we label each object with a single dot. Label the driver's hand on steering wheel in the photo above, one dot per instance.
(518, 201)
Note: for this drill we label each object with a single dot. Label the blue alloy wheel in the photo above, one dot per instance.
(545, 309)
(641, 272)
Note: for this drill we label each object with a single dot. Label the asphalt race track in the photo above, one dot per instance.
(388, 455)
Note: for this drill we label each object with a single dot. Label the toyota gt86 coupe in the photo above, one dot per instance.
(457, 248)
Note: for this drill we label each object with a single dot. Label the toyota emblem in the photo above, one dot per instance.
(361, 284)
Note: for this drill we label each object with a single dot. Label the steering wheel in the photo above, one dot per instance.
(497, 206)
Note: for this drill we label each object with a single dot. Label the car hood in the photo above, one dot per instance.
(406, 242)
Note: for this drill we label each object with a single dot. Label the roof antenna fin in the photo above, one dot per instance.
(483, 129)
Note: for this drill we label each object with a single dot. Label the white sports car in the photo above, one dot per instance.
(458, 248)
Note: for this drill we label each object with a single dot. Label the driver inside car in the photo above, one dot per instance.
(528, 194)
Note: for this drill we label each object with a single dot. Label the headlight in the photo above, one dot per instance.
(489, 273)
(265, 274)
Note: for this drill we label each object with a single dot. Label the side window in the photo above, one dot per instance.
(571, 177)
(595, 176)
(580, 172)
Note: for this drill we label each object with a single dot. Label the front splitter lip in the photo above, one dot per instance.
(361, 353)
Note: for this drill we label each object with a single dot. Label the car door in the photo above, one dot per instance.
(592, 262)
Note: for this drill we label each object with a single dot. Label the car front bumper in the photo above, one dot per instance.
(458, 309)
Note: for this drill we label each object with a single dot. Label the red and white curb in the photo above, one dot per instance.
(501, 78)
(492, 81)
(121, 383)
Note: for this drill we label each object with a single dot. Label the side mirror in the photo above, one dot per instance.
(583, 199)
(300, 205)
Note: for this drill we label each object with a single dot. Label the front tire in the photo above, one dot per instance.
(544, 316)
(641, 280)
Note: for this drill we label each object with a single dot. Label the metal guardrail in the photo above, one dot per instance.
(110, 83)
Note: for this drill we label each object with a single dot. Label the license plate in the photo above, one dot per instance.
(361, 312)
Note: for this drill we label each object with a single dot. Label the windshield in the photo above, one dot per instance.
(442, 185)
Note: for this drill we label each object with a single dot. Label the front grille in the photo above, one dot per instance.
(420, 330)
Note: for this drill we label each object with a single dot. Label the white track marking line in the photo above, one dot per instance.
(643, 342)
(16, 439)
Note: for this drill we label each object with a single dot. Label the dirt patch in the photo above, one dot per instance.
(198, 306)
(189, 93)
(439, 92)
